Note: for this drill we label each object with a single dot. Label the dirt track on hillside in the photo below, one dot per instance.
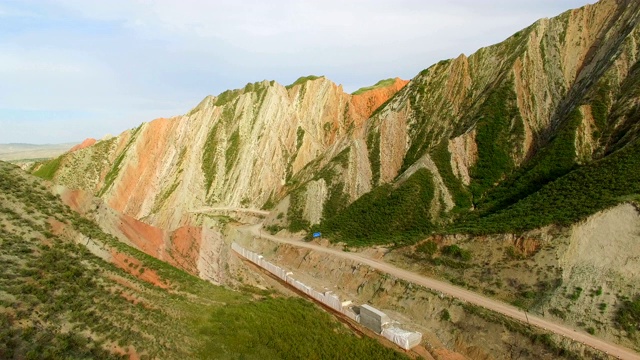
(459, 293)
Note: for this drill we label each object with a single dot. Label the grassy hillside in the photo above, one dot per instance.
(59, 300)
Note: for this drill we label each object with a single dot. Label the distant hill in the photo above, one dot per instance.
(19, 151)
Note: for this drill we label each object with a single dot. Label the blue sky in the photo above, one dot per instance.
(72, 69)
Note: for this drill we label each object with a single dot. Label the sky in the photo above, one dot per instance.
(72, 69)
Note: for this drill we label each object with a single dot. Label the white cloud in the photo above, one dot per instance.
(146, 58)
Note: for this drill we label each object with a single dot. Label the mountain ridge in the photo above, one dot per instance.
(240, 117)
(487, 170)
(505, 113)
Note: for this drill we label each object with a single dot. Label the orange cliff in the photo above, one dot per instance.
(367, 102)
(85, 144)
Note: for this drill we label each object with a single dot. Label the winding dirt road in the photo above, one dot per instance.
(459, 293)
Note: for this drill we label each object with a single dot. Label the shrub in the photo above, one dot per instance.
(429, 248)
(385, 215)
(444, 315)
(628, 315)
(455, 251)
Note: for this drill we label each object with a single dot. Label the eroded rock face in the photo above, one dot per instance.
(253, 146)
(195, 249)
(464, 154)
(508, 99)
(238, 149)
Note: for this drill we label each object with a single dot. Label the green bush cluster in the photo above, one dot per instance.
(628, 316)
(385, 215)
(428, 248)
(456, 252)
(568, 199)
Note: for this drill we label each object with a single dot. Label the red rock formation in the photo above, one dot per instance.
(179, 248)
(366, 103)
(185, 245)
(85, 144)
(134, 267)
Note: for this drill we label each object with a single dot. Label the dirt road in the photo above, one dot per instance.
(459, 293)
(210, 209)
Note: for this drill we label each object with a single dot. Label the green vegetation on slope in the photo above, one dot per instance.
(373, 145)
(553, 161)
(379, 84)
(418, 131)
(233, 150)
(628, 316)
(227, 96)
(551, 188)
(298, 332)
(49, 168)
(385, 215)
(622, 122)
(495, 139)
(295, 213)
(209, 157)
(58, 300)
(303, 79)
(115, 168)
(442, 158)
(570, 198)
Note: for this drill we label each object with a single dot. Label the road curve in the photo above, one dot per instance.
(459, 293)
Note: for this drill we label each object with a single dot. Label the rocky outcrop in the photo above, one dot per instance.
(464, 154)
